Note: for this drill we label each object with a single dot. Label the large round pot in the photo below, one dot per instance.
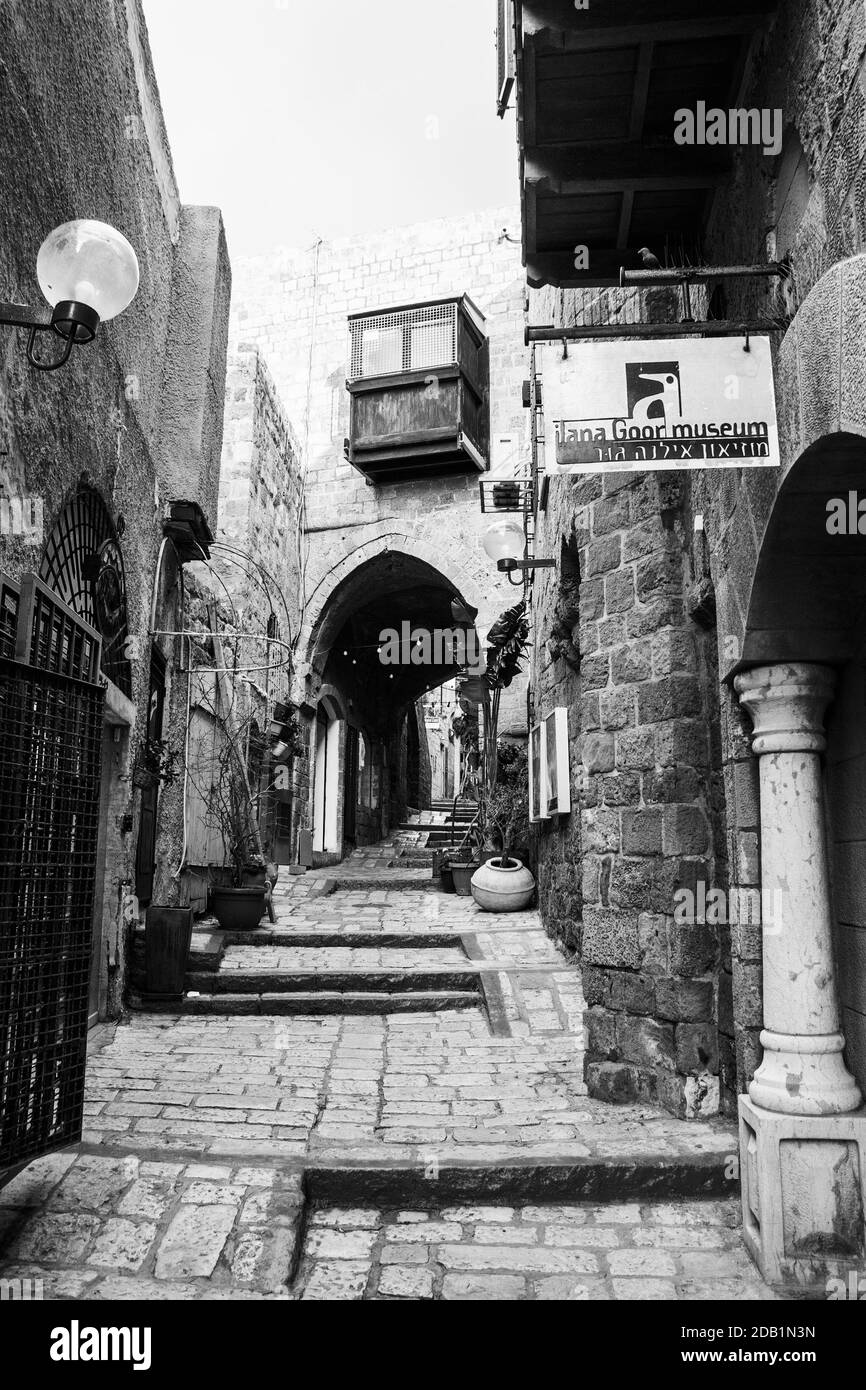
(462, 876)
(238, 909)
(502, 887)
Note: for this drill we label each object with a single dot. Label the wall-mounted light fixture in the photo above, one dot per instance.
(88, 272)
(506, 543)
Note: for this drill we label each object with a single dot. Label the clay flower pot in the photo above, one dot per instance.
(462, 876)
(499, 886)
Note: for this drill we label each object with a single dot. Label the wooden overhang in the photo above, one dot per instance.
(430, 417)
(597, 92)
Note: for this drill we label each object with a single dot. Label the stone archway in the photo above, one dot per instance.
(394, 585)
(313, 635)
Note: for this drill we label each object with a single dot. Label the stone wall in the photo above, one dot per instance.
(293, 305)
(664, 782)
(150, 384)
(292, 308)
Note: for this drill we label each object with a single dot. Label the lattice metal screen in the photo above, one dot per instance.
(406, 341)
(51, 637)
(83, 565)
(50, 769)
(9, 601)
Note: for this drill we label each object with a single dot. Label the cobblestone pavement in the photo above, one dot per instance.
(199, 1130)
(97, 1227)
(586, 1251)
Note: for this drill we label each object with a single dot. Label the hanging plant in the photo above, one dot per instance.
(155, 762)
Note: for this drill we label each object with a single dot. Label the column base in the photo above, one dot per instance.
(803, 1183)
(804, 1076)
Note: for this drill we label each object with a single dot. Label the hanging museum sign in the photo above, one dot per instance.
(671, 403)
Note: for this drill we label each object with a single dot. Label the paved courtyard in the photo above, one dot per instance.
(433, 1141)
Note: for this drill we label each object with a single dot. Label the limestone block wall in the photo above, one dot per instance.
(665, 566)
(145, 393)
(293, 306)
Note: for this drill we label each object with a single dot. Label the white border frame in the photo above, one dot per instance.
(556, 726)
(538, 813)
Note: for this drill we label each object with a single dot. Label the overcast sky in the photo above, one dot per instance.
(305, 118)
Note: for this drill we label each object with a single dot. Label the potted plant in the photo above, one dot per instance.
(238, 904)
(168, 929)
(462, 859)
(503, 883)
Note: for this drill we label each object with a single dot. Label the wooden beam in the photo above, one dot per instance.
(615, 167)
(640, 91)
(625, 213)
(557, 268)
(658, 177)
(708, 328)
(620, 23)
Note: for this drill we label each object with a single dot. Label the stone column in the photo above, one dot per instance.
(803, 1071)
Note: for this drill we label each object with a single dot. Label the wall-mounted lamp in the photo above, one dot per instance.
(88, 272)
(506, 543)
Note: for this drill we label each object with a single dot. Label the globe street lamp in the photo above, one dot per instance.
(88, 272)
(506, 543)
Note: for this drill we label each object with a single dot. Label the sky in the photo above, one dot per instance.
(306, 118)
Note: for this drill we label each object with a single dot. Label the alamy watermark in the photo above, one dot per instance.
(21, 1290)
(439, 646)
(846, 516)
(736, 126)
(705, 905)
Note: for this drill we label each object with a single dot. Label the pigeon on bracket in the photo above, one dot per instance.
(649, 261)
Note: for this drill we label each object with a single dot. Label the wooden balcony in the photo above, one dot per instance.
(419, 383)
(597, 90)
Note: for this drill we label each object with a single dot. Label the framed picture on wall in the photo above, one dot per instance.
(537, 774)
(558, 780)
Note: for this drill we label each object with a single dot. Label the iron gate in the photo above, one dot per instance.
(50, 767)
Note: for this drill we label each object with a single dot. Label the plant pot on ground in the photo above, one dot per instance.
(502, 884)
(239, 908)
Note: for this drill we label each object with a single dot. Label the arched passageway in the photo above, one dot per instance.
(387, 635)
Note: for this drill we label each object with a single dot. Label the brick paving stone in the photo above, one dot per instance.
(194, 1242)
(341, 1245)
(406, 1281)
(562, 1289)
(398, 1254)
(57, 1237)
(123, 1244)
(486, 1287)
(342, 1279)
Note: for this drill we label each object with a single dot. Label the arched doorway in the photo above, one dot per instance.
(327, 829)
(373, 683)
(801, 1125)
(808, 605)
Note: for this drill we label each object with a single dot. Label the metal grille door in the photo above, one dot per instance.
(50, 765)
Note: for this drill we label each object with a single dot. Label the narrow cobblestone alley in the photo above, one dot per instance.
(380, 1095)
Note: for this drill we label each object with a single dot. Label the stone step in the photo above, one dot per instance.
(324, 938)
(346, 980)
(459, 823)
(414, 883)
(311, 1002)
(601, 1178)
